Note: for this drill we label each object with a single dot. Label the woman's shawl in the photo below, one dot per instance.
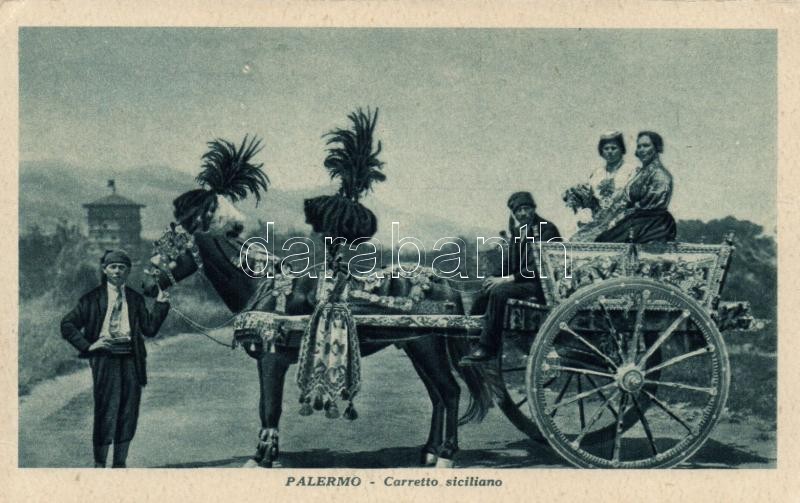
(651, 188)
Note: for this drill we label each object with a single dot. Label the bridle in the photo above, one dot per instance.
(169, 247)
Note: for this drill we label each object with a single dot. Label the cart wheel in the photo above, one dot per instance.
(508, 383)
(650, 367)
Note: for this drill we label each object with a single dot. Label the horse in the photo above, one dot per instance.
(214, 246)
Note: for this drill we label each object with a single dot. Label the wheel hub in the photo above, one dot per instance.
(630, 379)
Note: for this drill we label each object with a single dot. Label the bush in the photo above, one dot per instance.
(43, 353)
(39, 253)
(753, 274)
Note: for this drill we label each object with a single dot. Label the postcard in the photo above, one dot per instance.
(391, 250)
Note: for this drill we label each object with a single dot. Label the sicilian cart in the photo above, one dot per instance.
(623, 366)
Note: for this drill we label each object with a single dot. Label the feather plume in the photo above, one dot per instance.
(229, 171)
(352, 159)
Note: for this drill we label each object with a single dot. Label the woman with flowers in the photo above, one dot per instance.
(599, 202)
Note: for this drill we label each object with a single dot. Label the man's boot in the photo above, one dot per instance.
(100, 456)
(120, 454)
(481, 354)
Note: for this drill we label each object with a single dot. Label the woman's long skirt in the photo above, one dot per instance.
(641, 227)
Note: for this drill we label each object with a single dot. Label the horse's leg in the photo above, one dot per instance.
(431, 448)
(272, 369)
(430, 354)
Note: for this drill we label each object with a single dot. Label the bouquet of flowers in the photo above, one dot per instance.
(580, 197)
(606, 188)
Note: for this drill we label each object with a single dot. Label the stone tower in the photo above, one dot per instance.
(115, 222)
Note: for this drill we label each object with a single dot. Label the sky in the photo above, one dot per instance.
(467, 116)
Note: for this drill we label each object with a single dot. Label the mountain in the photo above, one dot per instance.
(50, 191)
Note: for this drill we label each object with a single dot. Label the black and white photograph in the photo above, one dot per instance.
(465, 250)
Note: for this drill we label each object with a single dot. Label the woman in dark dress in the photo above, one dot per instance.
(646, 219)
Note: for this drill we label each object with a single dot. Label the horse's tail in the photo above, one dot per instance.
(474, 377)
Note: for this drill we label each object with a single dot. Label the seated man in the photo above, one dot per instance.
(521, 282)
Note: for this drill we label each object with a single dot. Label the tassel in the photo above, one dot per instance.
(305, 409)
(331, 410)
(350, 412)
(318, 405)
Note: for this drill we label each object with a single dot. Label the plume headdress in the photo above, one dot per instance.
(326, 376)
(352, 159)
(228, 171)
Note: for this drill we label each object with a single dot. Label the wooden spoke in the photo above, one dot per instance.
(580, 404)
(663, 337)
(561, 393)
(618, 435)
(611, 328)
(602, 396)
(518, 404)
(645, 425)
(565, 328)
(581, 396)
(637, 325)
(515, 369)
(597, 413)
(678, 359)
(580, 361)
(580, 371)
(666, 409)
(710, 391)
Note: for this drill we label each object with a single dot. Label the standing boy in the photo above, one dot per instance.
(107, 327)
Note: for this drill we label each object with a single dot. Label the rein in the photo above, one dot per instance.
(204, 330)
(168, 248)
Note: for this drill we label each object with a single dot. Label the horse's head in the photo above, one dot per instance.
(175, 254)
(175, 257)
(227, 219)
(201, 210)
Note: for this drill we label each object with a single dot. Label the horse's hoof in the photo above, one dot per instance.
(270, 454)
(250, 463)
(445, 463)
(267, 448)
(429, 459)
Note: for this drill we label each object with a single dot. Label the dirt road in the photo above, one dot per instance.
(199, 410)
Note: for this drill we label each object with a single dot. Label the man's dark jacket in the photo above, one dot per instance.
(526, 247)
(81, 326)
